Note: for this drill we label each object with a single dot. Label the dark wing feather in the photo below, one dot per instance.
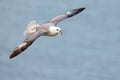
(26, 43)
(70, 13)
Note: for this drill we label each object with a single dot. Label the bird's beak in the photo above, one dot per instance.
(60, 32)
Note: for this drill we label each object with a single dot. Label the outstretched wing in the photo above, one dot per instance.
(70, 13)
(26, 43)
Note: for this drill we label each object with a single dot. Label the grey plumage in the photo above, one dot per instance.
(46, 29)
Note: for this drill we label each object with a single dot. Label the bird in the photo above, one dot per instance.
(49, 28)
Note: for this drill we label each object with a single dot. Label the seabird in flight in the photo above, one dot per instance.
(34, 30)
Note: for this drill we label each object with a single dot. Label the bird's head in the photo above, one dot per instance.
(55, 31)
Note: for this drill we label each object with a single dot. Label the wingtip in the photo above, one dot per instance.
(10, 57)
(81, 9)
(84, 8)
(13, 54)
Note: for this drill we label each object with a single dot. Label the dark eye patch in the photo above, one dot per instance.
(57, 29)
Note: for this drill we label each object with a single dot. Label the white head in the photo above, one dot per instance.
(54, 31)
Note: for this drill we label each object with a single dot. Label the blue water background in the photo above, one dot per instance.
(88, 50)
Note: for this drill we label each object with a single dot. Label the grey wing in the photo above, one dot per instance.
(70, 13)
(25, 44)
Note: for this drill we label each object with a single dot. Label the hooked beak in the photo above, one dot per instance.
(60, 32)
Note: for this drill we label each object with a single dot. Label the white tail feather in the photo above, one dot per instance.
(31, 27)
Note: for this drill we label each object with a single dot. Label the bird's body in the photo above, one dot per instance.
(34, 30)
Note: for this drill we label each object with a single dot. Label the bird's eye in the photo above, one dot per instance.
(57, 29)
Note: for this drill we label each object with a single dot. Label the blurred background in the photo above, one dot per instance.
(88, 50)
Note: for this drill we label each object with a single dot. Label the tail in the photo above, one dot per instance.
(31, 28)
(19, 49)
